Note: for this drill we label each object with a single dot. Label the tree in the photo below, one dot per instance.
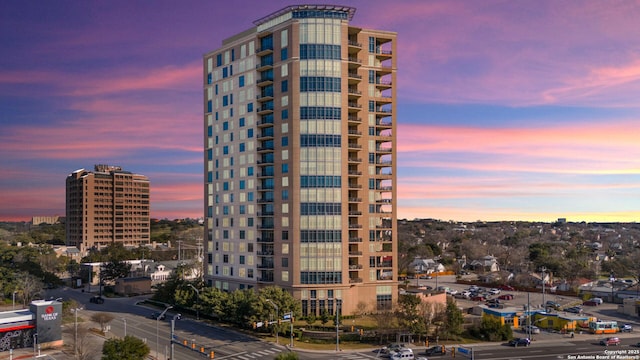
(86, 346)
(408, 314)
(29, 286)
(453, 320)
(129, 348)
(102, 318)
(115, 269)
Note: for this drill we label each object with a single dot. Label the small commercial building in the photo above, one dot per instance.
(509, 316)
(561, 321)
(39, 326)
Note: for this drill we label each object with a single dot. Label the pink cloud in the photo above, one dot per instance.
(594, 148)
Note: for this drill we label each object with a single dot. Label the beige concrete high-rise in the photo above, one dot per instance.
(105, 206)
(300, 160)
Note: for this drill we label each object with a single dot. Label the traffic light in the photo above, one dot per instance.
(278, 321)
(266, 323)
(254, 325)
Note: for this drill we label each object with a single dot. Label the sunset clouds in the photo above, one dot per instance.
(507, 110)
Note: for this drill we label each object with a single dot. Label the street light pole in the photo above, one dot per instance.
(338, 303)
(157, 321)
(125, 326)
(277, 317)
(197, 302)
(75, 336)
(14, 300)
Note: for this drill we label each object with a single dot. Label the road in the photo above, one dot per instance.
(231, 345)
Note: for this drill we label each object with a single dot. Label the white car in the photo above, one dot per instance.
(473, 288)
(597, 300)
(494, 291)
(452, 291)
(531, 329)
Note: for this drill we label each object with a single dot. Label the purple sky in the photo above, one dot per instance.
(507, 110)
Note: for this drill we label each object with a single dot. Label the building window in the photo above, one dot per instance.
(284, 115)
(241, 122)
(250, 107)
(284, 86)
(285, 167)
(383, 302)
(284, 54)
(285, 262)
(285, 141)
(241, 260)
(285, 234)
(225, 258)
(250, 133)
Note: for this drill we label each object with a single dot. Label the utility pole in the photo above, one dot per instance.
(173, 329)
(277, 318)
(543, 269)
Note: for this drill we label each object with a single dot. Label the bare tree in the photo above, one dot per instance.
(29, 286)
(103, 319)
(86, 347)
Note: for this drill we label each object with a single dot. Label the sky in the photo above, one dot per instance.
(507, 110)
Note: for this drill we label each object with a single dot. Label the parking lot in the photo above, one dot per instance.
(521, 300)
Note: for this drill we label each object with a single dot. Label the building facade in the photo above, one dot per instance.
(300, 160)
(105, 206)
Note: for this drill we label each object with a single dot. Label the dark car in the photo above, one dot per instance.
(520, 342)
(574, 309)
(590, 303)
(97, 300)
(436, 351)
(478, 298)
(157, 316)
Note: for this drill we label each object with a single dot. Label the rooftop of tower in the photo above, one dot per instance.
(309, 11)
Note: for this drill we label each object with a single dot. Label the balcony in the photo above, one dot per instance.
(355, 160)
(355, 213)
(265, 80)
(355, 267)
(355, 253)
(355, 226)
(265, 121)
(354, 119)
(264, 51)
(355, 200)
(354, 75)
(265, 148)
(354, 43)
(355, 239)
(355, 280)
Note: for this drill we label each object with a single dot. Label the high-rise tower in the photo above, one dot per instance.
(105, 206)
(300, 160)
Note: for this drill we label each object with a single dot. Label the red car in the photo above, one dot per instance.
(610, 341)
(478, 298)
(506, 287)
(590, 303)
(505, 297)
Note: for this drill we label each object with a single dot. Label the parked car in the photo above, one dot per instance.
(599, 301)
(574, 310)
(97, 300)
(610, 341)
(436, 350)
(461, 295)
(530, 329)
(451, 291)
(590, 303)
(474, 288)
(478, 298)
(506, 297)
(553, 305)
(520, 342)
(506, 287)
(493, 301)
(626, 328)
(495, 291)
(157, 315)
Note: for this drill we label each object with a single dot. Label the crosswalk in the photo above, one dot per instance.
(272, 352)
(260, 354)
